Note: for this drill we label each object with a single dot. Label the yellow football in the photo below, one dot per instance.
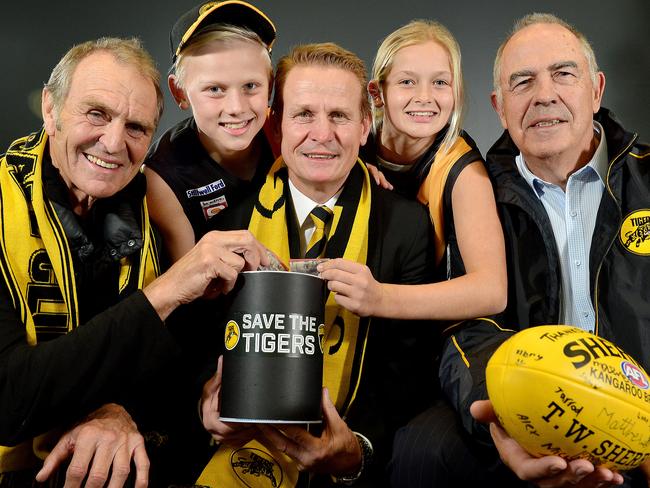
(558, 390)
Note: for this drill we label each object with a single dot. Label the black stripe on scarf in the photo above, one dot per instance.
(268, 213)
(349, 201)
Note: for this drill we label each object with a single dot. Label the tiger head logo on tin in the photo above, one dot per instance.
(252, 465)
(635, 232)
(232, 335)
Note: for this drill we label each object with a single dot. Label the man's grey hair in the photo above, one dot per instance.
(543, 18)
(125, 51)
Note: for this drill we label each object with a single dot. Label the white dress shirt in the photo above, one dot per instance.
(303, 205)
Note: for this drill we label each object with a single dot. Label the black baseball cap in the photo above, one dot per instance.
(233, 12)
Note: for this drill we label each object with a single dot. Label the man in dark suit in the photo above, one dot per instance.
(371, 237)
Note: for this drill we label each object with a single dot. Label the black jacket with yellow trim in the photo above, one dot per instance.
(619, 265)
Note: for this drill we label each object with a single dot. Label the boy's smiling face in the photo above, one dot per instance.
(227, 86)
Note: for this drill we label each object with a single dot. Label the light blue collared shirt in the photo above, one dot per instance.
(573, 218)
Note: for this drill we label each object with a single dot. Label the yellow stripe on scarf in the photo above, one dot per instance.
(343, 350)
(273, 233)
(38, 259)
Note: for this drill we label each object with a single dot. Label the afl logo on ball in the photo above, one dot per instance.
(635, 232)
(635, 375)
(232, 335)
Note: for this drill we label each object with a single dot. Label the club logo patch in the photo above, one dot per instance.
(214, 206)
(231, 338)
(253, 466)
(635, 232)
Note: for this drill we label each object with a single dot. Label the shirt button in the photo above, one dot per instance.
(573, 213)
(585, 313)
(113, 252)
(577, 262)
(130, 243)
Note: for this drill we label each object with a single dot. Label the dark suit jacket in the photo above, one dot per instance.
(398, 353)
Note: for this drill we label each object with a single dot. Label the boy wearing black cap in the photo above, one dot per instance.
(210, 161)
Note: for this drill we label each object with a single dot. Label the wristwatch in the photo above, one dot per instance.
(366, 457)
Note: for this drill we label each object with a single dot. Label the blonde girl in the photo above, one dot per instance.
(419, 145)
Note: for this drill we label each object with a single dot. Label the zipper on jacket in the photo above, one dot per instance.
(611, 242)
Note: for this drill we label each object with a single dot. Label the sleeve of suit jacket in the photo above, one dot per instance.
(464, 358)
(399, 377)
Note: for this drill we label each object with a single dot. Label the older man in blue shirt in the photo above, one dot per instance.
(570, 209)
(572, 189)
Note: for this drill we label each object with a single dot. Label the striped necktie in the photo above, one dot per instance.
(320, 215)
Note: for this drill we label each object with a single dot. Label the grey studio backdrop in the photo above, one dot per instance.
(35, 34)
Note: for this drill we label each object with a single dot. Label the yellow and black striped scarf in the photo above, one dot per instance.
(36, 262)
(346, 334)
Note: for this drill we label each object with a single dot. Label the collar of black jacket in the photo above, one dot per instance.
(112, 224)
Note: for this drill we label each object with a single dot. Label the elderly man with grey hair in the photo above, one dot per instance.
(572, 189)
(83, 341)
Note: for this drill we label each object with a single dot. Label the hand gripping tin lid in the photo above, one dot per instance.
(273, 360)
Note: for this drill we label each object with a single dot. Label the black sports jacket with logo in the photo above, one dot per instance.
(619, 264)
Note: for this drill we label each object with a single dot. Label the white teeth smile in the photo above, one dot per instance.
(547, 123)
(421, 114)
(235, 125)
(100, 162)
(320, 156)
